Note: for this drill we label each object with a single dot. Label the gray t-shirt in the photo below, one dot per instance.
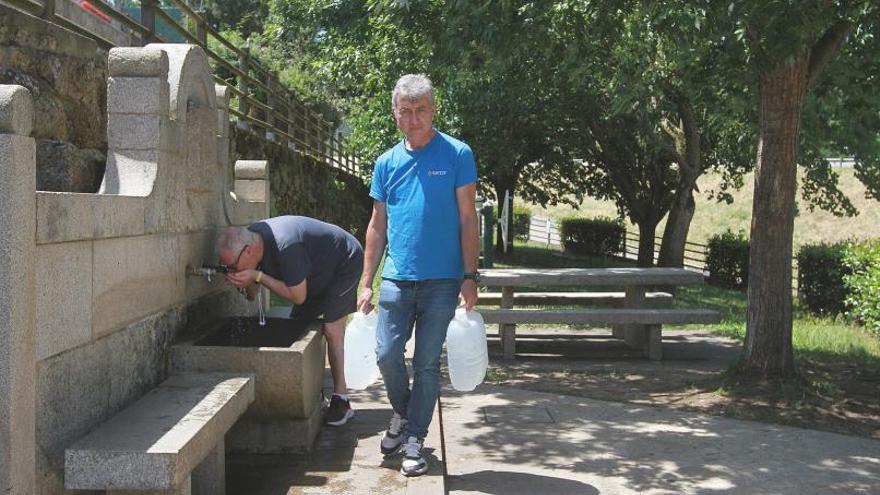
(302, 248)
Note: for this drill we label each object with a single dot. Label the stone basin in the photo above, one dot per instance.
(288, 364)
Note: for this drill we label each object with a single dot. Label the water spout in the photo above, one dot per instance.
(206, 271)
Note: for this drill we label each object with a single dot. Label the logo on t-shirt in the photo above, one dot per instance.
(436, 172)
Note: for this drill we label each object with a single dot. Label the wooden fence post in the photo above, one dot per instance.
(148, 20)
(48, 9)
(291, 129)
(271, 83)
(202, 27)
(244, 64)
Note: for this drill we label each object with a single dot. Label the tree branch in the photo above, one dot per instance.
(823, 51)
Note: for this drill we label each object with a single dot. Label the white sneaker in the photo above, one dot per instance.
(392, 439)
(413, 462)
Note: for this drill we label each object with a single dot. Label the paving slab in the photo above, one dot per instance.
(344, 460)
(498, 441)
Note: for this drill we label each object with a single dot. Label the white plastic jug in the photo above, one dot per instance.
(466, 352)
(360, 351)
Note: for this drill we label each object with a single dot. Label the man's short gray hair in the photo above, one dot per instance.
(234, 239)
(412, 87)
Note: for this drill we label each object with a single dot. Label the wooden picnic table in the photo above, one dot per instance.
(637, 277)
(638, 325)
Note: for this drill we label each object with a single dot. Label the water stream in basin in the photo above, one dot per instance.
(260, 310)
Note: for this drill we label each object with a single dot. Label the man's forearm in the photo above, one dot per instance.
(372, 255)
(278, 288)
(470, 243)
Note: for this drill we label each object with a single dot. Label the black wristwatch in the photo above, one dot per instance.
(475, 276)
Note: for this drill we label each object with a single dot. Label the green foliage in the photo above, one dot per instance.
(244, 16)
(863, 284)
(601, 236)
(821, 272)
(522, 216)
(301, 185)
(727, 259)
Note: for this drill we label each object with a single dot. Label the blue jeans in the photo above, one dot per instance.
(430, 305)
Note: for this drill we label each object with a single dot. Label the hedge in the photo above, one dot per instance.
(863, 283)
(522, 216)
(593, 236)
(821, 272)
(727, 260)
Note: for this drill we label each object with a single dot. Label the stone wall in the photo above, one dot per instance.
(302, 185)
(92, 286)
(65, 74)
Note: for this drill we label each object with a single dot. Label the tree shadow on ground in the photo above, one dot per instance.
(516, 483)
(649, 449)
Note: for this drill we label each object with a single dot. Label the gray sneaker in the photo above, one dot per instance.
(393, 435)
(413, 462)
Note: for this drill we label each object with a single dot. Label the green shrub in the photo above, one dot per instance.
(593, 236)
(863, 284)
(821, 270)
(727, 259)
(522, 215)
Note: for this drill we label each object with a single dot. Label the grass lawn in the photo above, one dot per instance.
(837, 388)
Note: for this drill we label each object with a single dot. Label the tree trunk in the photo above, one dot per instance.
(687, 141)
(647, 229)
(678, 223)
(767, 349)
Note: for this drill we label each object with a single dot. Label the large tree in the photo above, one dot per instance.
(489, 62)
(789, 46)
(642, 118)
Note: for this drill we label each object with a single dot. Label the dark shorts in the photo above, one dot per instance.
(336, 301)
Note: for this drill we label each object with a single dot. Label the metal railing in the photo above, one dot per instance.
(263, 102)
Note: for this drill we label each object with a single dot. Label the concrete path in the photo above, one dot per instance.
(345, 460)
(501, 440)
(504, 440)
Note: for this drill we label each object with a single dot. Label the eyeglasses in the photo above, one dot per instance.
(234, 266)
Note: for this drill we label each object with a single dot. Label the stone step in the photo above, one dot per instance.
(573, 298)
(601, 316)
(157, 442)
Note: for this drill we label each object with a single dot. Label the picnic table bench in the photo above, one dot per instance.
(637, 324)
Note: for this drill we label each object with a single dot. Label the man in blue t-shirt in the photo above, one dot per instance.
(314, 265)
(424, 190)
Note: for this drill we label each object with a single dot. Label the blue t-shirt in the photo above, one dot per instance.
(418, 189)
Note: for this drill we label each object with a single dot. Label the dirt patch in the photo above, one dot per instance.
(832, 396)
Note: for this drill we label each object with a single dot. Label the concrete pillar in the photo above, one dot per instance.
(635, 336)
(18, 213)
(209, 477)
(508, 331)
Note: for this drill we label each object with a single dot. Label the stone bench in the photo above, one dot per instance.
(640, 328)
(171, 441)
(574, 298)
